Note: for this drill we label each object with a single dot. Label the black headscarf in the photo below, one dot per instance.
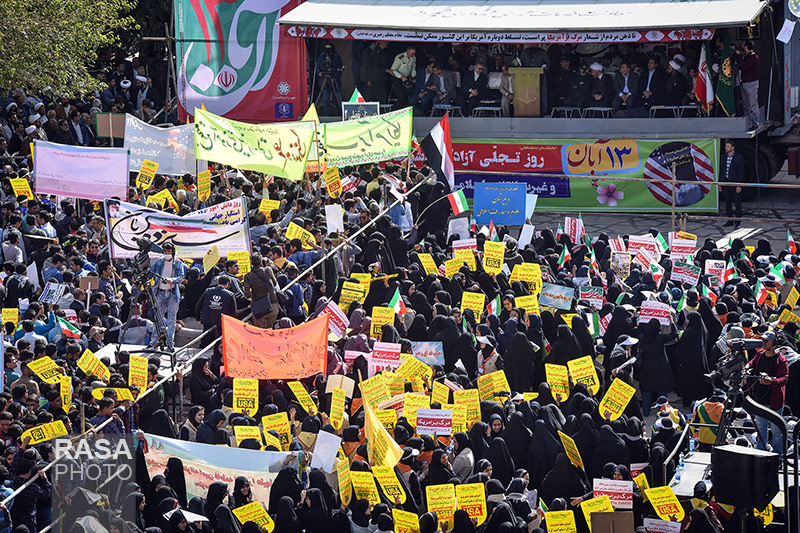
(544, 448)
(610, 448)
(517, 437)
(519, 364)
(317, 480)
(565, 348)
(314, 513)
(690, 360)
(478, 438)
(217, 492)
(176, 480)
(438, 473)
(563, 481)
(502, 462)
(285, 516)
(285, 484)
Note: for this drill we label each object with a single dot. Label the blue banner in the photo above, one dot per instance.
(558, 296)
(501, 203)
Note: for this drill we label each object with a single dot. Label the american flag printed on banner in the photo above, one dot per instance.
(658, 167)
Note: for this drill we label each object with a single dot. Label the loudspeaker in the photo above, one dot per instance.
(744, 477)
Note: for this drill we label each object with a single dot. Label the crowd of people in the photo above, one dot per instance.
(513, 448)
(629, 78)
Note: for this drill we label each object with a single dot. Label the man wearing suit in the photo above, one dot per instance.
(473, 89)
(652, 83)
(448, 85)
(424, 93)
(732, 170)
(626, 89)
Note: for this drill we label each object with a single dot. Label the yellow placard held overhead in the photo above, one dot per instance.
(665, 503)
(204, 185)
(558, 379)
(381, 316)
(343, 477)
(442, 501)
(303, 397)
(337, 407)
(572, 450)
(389, 483)
(493, 257)
(146, 174)
(583, 371)
(616, 399)
(364, 486)
(601, 504)
(245, 396)
(471, 498)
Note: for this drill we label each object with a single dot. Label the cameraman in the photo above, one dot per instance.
(329, 76)
(768, 387)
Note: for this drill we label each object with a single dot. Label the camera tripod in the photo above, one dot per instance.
(329, 81)
(161, 343)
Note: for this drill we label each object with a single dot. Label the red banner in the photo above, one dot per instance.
(291, 353)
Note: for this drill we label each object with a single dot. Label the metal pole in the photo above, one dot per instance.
(673, 196)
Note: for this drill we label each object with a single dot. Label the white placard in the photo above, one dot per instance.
(334, 220)
(80, 171)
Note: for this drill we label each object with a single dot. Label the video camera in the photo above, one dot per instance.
(141, 262)
(732, 366)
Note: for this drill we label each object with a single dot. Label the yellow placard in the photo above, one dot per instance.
(560, 522)
(413, 402)
(791, 300)
(146, 174)
(279, 422)
(303, 397)
(641, 482)
(381, 316)
(137, 371)
(470, 399)
(467, 256)
(765, 516)
(572, 450)
(389, 483)
(11, 314)
(601, 504)
(475, 301)
(364, 486)
(45, 432)
(204, 185)
(442, 501)
(351, 292)
(122, 394)
(92, 366)
(529, 396)
(395, 384)
(451, 266)
(337, 407)
(558, 379)
(254, 512)
(296, 232)
(271, 440)
(583, 371)
(529, 304)
(471, 498)
(163, 198)
(243, 259)
(405, 522)
(333, 181)
(374, 390)
(388, 418)
(616, 399)
(22, 188)
(665, 503)
(267, 206)
(343, 476)
(459, 417)
(440, 393)
(787, 316)
(412, 368)
(245, 396)
(46, 369)
(428, 264)
(247, 432)
(364, 279)
(490, 385)
(65, 390)
(493, 256)
(530, 273)
(211, 259)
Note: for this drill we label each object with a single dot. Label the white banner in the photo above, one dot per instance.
(80, 171)
(224, 225)
(172, 148)
(204, 464)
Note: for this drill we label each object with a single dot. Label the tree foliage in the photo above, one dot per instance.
(55, 42)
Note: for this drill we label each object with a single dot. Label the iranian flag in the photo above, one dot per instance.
(704, 91)
(397, 303)
(790, 244)
(493, 307)
(493, 232)
(458, 202)
(356, 98)
(662, 243)
(761, 293)
(68, 330)
(565, 256)
(777, 271)
(681, 303)
(730, 272)
(559, 232)
(710, 294)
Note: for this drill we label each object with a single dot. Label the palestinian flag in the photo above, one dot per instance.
(458, 202)
(493, 307)
(356, 97)
(397, 303)
(68, 330)
(662, 243)
(710, 294)
(565, 256)
(493, 232)
(730, 272)
(761, 293)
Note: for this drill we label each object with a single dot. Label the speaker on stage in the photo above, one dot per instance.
(744, 477)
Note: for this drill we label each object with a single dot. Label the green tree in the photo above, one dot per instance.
(55, 42)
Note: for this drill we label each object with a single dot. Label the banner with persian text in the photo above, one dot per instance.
(80, 171)
(234, 58)
(222, 225)
(584, 175)
(369, 140)
(203, 464)
(172, 148)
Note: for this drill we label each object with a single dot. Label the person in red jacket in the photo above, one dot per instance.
(771, 371)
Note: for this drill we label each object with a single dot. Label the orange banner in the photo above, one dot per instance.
(292, 353)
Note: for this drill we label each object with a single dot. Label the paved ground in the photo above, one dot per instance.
(778, 206)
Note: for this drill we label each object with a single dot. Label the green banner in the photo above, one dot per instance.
(725, 78)
(277, 149)
(594, 174)
(369, 140)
